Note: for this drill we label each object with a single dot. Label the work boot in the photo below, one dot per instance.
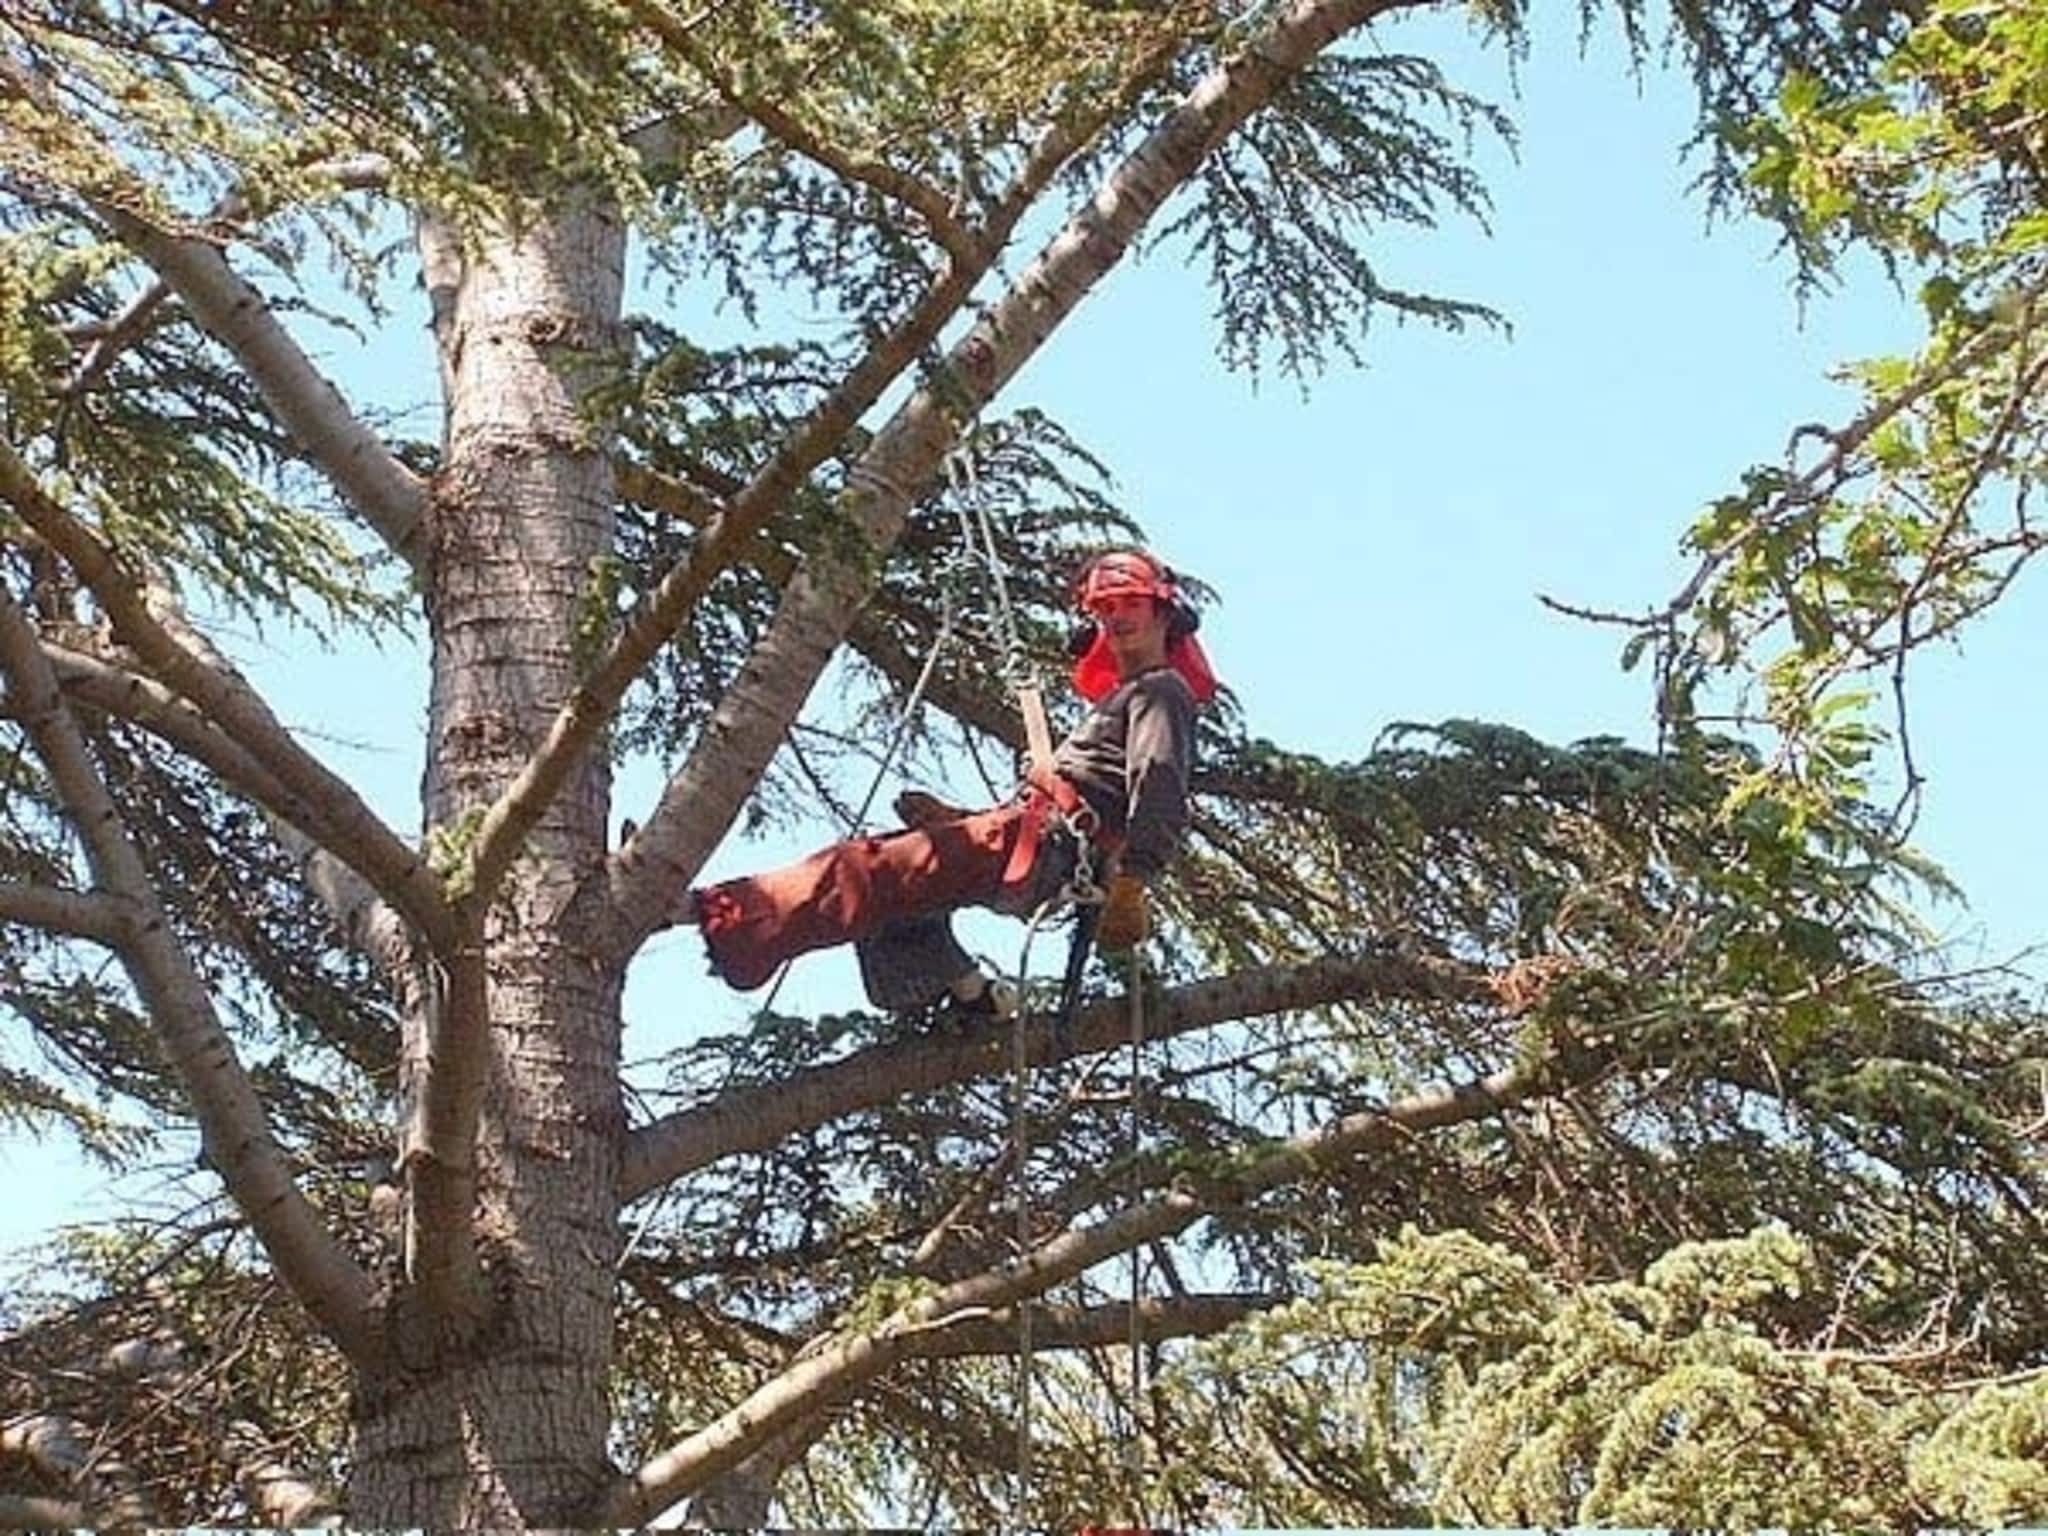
(995, 998)
(916, 808)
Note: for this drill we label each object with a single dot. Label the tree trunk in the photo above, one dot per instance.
(504, 1424)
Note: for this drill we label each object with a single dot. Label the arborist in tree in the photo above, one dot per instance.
(1111, 805)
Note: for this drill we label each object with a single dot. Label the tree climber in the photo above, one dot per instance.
(1113, 801)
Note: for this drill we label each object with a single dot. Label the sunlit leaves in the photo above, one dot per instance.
(1822, 578)
(1446, 1380)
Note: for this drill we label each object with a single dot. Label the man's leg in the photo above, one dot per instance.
(850, 890)
(913, 963)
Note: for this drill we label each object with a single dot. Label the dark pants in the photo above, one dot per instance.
(892, 896)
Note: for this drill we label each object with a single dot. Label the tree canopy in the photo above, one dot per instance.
(1523, 1132)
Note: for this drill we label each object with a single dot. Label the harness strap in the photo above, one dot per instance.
(1047, 792)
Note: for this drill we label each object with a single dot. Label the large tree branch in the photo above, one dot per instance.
(235, 1134)
(390, 498)
(361, 917)
(398, 872)
(741, 1497)
(75, 914)
(868, 635)
(859, 1356)
(652, 873)
(754, 1119)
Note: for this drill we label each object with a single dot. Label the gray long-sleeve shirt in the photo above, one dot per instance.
(1131, 758)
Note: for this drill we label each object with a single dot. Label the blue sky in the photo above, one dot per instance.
(1379, 545)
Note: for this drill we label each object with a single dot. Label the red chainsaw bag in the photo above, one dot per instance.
(845, 892)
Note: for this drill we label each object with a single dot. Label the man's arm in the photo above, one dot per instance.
(1159, 744)
(1159, 738)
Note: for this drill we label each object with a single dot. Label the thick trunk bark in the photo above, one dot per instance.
(504, 1425)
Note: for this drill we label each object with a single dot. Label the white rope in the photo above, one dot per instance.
(1020, 1142)
(1134, 1449)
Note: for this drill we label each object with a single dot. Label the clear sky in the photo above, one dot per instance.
(1379, 545)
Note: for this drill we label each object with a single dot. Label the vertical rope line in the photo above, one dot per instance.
(1020, 1135)
(1020, 1141)
(1135, 1450)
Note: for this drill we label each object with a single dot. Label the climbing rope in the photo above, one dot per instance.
(1080, 891)
(1134, 1445)
(1020, 1153)
(1085, 895)
(905, 719)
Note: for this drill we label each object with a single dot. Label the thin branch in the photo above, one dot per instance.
(398, 872)
(26, 1512)
(651, 874)
(830, 1371)
(121, 333)
(302, 827)
(75, 914)
(1840, 446)
(754, 1119)
(1101, 1327)
(898, 186)
(235, 1133)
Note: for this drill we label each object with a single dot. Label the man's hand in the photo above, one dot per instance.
(1126, 918)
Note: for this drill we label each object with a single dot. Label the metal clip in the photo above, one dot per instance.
(1083, 890)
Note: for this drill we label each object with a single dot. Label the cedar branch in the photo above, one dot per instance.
(754, 1119)
(398, 872)
(75, 914)
(856, 1357)
(235, 1132)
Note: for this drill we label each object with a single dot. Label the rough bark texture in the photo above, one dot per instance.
(502, 1422)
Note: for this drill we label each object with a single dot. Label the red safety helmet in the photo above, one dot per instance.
(1125, 573)
(1131, 573)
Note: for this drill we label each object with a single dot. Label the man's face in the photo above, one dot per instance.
(1136, 627)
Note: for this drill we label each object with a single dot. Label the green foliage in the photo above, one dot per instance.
(1446, 1381)
(1286, 208)
(168, 451)
(1728, 973)
(1986, 1465)
(1822, 578)
(451, 847)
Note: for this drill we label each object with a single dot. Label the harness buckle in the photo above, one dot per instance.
(1082, 888)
